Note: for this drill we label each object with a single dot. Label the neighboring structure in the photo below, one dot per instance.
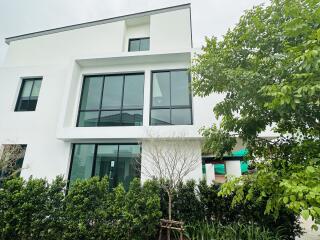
(83, 97)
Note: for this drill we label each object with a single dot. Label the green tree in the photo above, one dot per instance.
(268, 67)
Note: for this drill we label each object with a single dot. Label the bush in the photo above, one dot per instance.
(194, 203)
(35, 209)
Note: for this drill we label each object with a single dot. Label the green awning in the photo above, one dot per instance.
(240, 153)
(220, 169)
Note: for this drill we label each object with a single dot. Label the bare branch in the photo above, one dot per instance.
(169, 160)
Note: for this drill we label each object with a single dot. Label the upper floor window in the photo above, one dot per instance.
(139, 44)
(29, 93)
(112, 100)
(171, 98)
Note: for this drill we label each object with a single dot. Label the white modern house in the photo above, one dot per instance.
(84, 98)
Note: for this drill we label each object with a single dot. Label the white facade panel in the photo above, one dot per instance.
(170, 31)
(61, 47)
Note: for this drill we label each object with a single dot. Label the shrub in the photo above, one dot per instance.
(31, 209)
(219, 231)
(35, 209)
(194, 203)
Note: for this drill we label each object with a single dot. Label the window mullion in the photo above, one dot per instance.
(115, 168)
(100, 105)
(94, 160)
(30, 93)
(170, 97)
(122, 97)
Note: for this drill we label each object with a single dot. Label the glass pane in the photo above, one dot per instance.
(160, 117)
(133, 91)
(110, 118)
(32, 103)
(23, 104)
(181, 116)
(161, 89)
(127, 165)
(180, 89)
(105, 162)
(88, 119)
(91, 94)
(36, 88)
(82, 161)
(112, 92)
(27, 85)
(145, 44)
(132, 118)
(134, 45)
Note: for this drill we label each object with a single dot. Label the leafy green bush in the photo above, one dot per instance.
(194, 203)
(239, 231)
(35, 209)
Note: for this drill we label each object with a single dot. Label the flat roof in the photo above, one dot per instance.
(97, 22)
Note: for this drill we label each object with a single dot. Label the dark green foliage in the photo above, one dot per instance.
(194, 204)
(268, 68)
(35, 209)
(32, 209)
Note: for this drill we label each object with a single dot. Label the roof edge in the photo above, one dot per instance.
(96, 22)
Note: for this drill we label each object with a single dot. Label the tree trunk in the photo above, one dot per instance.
(169, 205)
(169, 213)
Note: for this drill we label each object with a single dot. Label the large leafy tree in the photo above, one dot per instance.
(268, 67)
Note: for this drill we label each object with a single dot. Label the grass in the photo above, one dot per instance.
(234, 231)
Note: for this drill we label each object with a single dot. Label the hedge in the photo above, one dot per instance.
(37, 209)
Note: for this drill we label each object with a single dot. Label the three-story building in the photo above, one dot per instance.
(84, 98)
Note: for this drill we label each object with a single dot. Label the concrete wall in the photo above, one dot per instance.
(170, 30)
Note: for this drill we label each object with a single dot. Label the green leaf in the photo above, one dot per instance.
(305, 214)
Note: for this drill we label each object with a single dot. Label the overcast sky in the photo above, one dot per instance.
(209, 17)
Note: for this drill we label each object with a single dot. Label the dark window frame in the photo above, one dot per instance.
(95, 156)
(23, 82)
(121, 109)
(171, 106)
(135, 39)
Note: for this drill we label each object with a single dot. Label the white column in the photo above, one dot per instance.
(233, 168)
(210, 174)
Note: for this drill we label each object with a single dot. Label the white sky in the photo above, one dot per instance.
(209, 17)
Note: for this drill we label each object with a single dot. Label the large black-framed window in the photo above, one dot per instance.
(139, 44)
(28, 95)
(112, 100)
(120, 162)
(171, 99)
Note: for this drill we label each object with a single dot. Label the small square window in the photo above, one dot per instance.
(139, 44)
(29, 93)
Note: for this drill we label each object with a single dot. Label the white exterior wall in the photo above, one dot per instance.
(60, 48)
(62, 59)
